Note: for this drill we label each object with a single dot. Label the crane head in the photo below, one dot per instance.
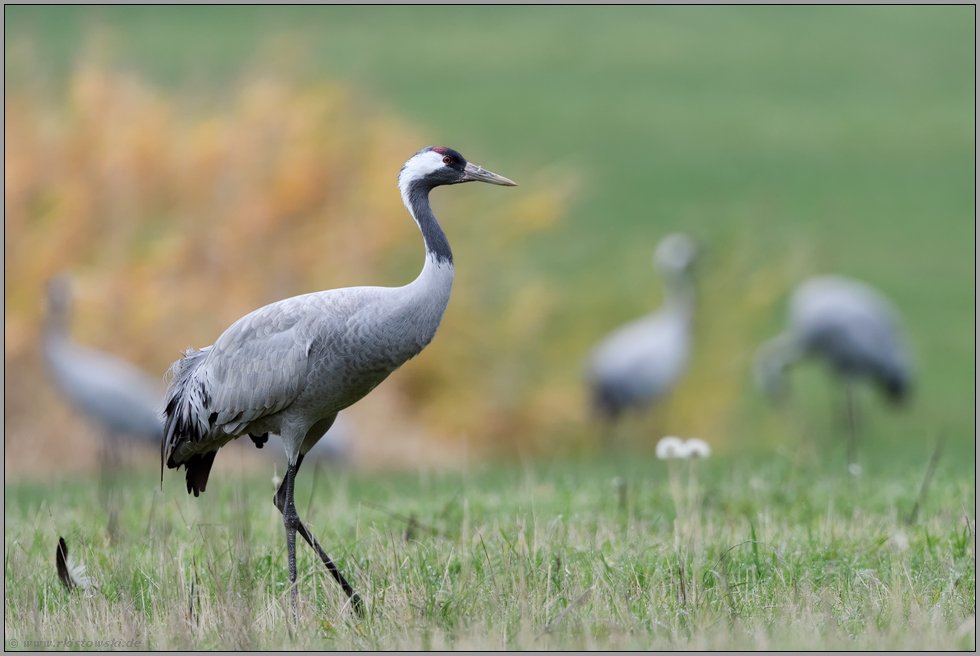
(675, 253)
(434, 166)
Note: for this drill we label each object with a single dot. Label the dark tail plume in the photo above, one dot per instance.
(185, 407)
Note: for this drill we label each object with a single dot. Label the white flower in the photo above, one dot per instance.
(696, 448)
(671, 447)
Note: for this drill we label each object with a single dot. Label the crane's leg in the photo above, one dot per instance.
(607, 432)
(284, 501)
(851, 423)
(108, 473)
(290, 519)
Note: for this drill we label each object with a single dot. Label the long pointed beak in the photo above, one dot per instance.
(474, 173)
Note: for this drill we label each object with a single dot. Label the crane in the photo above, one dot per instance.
(640, 362)
(288, 368)
(122, 399)
(853, 328)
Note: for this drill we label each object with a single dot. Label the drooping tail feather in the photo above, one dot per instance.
(185, 407)
(897, 387)
(606, 406)
(198, 469)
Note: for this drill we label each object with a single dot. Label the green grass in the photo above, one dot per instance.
(762, 554)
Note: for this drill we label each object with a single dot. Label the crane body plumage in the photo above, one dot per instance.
(854, 329)
(849, 325)
(641, 361)
(288, 368)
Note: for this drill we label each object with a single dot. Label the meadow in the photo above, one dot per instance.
(190, 164)
(629, 554)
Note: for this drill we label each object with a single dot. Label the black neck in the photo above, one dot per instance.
(436, 243)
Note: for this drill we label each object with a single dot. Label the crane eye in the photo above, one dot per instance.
(447, 160)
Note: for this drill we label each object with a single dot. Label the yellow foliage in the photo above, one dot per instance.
(163, 213)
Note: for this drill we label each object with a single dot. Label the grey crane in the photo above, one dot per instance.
(118, 396)
(849, 325)
(288, 368)
(640, 362)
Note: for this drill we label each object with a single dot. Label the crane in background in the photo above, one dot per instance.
(120, 398)
(640, 362)
(851, 327)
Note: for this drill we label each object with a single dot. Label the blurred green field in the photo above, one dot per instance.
(790, 141)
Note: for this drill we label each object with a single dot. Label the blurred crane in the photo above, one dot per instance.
(640, 362)
(122, 399)
(288, 368)
(849, 325)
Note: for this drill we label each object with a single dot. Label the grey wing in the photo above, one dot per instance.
(260, 364)
(849, 322)
(258, 367)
